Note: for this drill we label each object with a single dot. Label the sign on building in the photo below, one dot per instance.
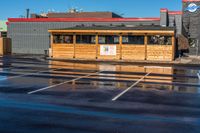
(192, 7)
(108, 50)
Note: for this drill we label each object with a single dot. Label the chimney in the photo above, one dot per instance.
(164, 17)
(27, 13)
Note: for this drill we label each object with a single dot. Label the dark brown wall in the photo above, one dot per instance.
(84, 15)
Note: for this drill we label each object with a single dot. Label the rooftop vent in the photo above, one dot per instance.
(72, 10)
(129, 25)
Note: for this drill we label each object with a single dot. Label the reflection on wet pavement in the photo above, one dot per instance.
(167, 100)
(115, 76)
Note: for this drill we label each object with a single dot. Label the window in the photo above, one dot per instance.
(3, 34)
(68, 39)
(130, 39)
(63, 39)
(159, 40)
(108, 39)
(85, 39)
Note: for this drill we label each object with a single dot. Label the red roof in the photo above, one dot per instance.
(175, 12)
(163, 10)
(81, 19)
(191, 0)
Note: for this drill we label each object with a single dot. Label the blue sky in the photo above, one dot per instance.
(129, 8)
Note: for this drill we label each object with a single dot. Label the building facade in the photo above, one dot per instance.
(191, 24)
(114, 43)
(30, 36)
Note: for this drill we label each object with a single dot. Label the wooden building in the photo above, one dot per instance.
(114, 43)
(5, 46)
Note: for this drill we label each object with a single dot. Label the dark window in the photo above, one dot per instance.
(63, 39)
(3, 34)
(85, 39)
(57, 38)
(130, 39)
(108, 39)
(68, 39)
(159, 40)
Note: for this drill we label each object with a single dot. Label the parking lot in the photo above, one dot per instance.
(38, 95)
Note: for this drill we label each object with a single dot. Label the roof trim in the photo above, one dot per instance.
(175, 12)
(116, 29)
(81, 19)
(163, 10)
(171, 32)
(190, 0)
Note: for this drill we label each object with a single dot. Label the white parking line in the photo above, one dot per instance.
(7, 68)
(52, 86)
(119, 95)
(198, 74)
(28, 74)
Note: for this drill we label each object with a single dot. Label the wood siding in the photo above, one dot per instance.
(133, 52)
(159, 52)
(1, 47)
(85, 51)
(123, 51)
(160, 32)
(128, 52)
(5, 46)
(63, 51)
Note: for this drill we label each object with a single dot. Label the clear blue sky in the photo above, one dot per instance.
(130, 8)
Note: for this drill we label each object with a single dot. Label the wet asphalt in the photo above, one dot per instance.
(38, 95)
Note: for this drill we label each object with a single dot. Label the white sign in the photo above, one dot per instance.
(108, 50)
(192, 7)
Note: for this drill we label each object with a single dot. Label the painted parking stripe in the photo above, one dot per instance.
(28, 74)
(68, 81)
(119, 95)
(7, 68)
(198, 74)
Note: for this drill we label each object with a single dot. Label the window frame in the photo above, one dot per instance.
(113, 39)
(125, 43)
(62, 38)
(166, 37)
(86, 43)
